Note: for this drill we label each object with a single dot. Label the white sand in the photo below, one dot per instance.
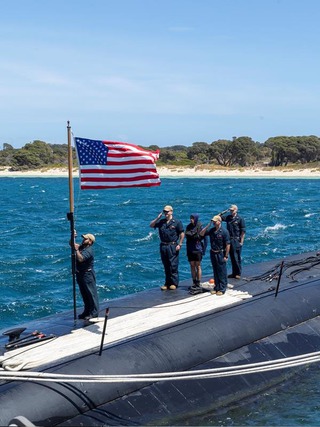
(238, 173)
(176, 172)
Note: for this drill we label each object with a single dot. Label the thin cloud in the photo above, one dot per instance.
(35, 74)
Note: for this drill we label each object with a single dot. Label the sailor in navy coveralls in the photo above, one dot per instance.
(171, 235)
(237, 230)
(86, 277)
(219, 252)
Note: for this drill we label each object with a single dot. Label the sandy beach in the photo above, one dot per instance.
(201, 172)
(186, 172)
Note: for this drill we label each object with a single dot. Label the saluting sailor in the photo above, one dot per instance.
(171, 233)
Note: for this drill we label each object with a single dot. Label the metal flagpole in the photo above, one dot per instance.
(70, 216)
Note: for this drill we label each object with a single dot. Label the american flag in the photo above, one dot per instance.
(109, 164)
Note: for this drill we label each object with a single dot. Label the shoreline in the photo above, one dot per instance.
(182, 172)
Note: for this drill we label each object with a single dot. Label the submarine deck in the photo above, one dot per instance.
(149, 311)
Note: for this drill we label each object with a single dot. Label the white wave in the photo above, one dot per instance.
(11, 230)
(308, 215)
(146, 238)
(132, 265)
(275, 227)
(126, 202)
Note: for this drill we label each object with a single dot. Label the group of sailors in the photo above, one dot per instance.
(224, 242)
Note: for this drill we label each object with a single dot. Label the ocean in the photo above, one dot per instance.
(282, 218)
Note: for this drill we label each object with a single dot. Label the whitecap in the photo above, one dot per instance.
(308, 215)
(146, 238)
(132, 264)
(275, 227)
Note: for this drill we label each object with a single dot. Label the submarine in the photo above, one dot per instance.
(155, 358)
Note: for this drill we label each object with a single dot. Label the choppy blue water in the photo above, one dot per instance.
(282, 217)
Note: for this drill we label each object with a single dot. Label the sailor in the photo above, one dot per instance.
(171, 233)
(219, 252)
(237, 230)
(86, 277)
(196, 246)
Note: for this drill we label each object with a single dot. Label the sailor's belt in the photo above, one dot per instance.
(168, 243)
(216, 252)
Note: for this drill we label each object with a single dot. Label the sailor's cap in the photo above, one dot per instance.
(168, 208)
(89, 236)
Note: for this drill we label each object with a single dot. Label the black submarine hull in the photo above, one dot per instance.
(264, 327)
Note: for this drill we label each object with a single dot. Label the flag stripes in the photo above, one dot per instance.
(110, 164)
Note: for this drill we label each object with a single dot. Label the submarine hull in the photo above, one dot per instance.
(266, 326)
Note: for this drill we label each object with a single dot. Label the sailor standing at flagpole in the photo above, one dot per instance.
(86, 277)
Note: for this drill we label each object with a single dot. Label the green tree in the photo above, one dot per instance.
(167, 156)
(309, 148)
(60, 154)
(7, 146)
(221, 151)
(6, 155)
(41, 150)
(152, 148)
(25, 159)
(244, 151)
(199, 152)
(283, 150)
(241, 151)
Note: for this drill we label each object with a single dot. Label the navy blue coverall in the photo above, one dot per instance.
(86, 280)
(219, 239)
(236, 226)
(169, 234)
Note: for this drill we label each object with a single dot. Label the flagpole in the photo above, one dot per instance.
(70, 216)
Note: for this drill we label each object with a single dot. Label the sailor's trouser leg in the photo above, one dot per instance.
(170, 261)
(219, 267)
(88, 290)
(235, 257)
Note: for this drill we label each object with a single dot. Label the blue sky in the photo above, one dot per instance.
(166, 72)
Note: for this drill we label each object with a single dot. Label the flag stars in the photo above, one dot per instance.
(91, 152)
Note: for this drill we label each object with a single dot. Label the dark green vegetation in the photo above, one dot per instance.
(238, 152)
(34, 155)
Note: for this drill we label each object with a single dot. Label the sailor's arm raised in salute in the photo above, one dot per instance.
(153, 222)
(203, 231)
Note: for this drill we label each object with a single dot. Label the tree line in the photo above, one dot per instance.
(238, 152)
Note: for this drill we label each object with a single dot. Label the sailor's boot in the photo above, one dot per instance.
(196, 285)
(193, 284)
